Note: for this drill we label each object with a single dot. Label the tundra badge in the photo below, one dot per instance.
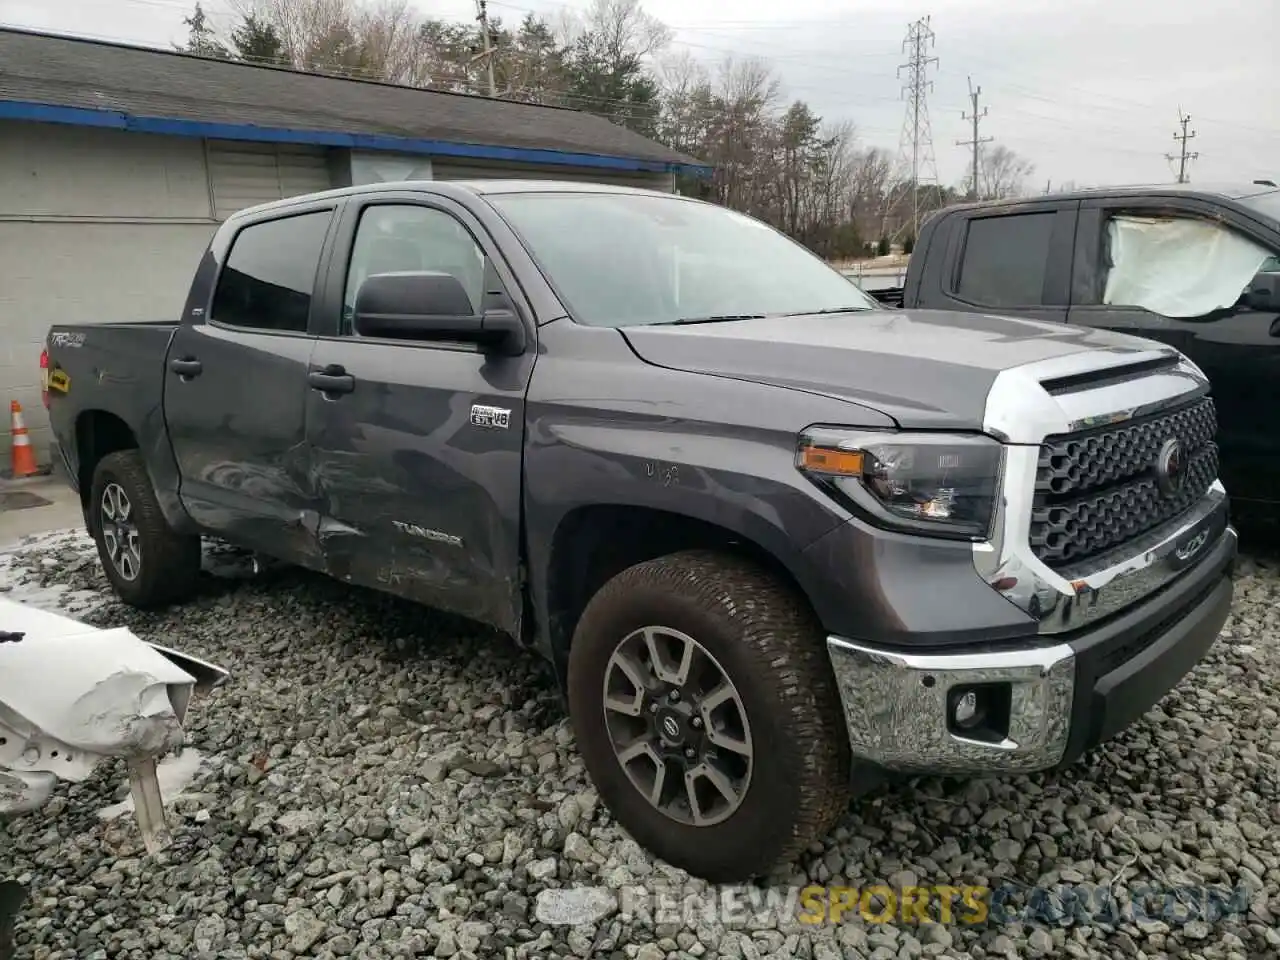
(496, 418)
(439, 536)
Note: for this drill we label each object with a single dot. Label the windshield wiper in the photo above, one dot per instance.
(719, 318)
(814, 313)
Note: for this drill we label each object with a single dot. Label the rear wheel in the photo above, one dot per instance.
(147, 562)
(707, 714)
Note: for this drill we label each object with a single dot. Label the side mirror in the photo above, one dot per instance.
(1264, 292)
(429, 305)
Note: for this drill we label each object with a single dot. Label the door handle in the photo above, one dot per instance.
(332, 379)
(186, 367)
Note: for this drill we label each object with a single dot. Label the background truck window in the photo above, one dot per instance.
(270, 274)
(1178, 267)
(1005, 259)
(395, 238)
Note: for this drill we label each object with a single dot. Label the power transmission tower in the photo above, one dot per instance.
(916, 141)
(1183, 156)
(976, 142)
(488, 52)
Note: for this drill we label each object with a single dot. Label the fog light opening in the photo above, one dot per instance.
(980, 711)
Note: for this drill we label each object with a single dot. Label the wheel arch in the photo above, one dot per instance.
(593, 543)
(99, 433)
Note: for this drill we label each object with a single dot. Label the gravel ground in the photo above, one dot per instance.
(381, 781)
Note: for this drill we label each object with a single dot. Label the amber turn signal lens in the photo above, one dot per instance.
(847, 463)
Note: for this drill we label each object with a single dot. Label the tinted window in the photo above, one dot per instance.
(627, 259)
(1005, 259)
(270, 273)
(395, 238)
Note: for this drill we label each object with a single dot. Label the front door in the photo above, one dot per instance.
(417, 455)
(236, 391)
(1180, 272)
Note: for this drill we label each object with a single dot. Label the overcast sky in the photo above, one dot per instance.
(1088, 90)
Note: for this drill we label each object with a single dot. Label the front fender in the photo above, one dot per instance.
(742, 481)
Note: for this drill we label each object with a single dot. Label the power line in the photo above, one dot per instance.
(976, 142)
(917, 136)
(1183, 156)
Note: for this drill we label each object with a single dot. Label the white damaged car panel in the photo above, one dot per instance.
(72, 695)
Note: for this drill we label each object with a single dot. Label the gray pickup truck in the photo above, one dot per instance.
(774, 540)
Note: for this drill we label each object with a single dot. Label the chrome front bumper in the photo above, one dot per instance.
(896, 707)
(1061, 697)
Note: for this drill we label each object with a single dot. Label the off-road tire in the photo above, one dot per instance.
(772, 648)
(169, 566)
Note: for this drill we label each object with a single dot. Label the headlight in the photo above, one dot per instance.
(942, 485)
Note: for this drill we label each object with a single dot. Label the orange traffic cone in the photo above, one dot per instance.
(24, 458)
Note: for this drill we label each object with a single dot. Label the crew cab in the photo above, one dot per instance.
(774, 539)
(1197, 268)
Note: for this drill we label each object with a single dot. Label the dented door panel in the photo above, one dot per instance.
(419, 468)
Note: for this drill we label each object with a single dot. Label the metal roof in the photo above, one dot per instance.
(94, 83)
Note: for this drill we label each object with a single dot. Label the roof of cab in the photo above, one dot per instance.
(1223, 191)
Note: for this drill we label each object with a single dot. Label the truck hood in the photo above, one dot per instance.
(927, 369)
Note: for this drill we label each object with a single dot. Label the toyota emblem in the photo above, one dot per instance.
(670, 727)
(1171, 467)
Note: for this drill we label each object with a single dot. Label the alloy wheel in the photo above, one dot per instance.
(678, 726)
(119, 532)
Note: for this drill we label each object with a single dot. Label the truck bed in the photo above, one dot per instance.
(118, 368)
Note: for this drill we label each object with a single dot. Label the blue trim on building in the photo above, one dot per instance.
(175, 127)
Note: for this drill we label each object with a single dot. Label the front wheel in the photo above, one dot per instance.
(707, 714)
(148, 563)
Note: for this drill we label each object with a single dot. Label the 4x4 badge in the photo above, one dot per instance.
(1192, 546)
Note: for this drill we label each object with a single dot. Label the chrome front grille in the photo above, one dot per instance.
(1098, 489)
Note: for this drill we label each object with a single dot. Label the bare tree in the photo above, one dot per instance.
(687, 101)
(621, 30)
(739, 142)
(1002, 173)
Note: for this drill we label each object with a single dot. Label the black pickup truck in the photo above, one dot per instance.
(1195, 267)
(774, 540)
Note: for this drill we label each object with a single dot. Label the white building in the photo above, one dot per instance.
(117, 163)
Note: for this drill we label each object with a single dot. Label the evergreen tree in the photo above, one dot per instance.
(201, 40)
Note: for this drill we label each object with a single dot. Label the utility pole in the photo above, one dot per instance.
(976, 141)
(487, 53)
(1183, 156)
(915, 127)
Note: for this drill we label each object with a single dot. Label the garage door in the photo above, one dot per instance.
(246, 174)
(83, 273)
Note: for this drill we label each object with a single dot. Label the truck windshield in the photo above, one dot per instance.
(631, 259)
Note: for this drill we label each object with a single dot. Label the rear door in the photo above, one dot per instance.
(1176, 269)
(1011, 260)
(417, 454)
(236, 386)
